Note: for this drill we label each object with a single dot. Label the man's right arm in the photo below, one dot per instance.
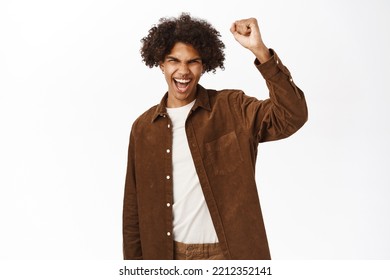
(131, 235)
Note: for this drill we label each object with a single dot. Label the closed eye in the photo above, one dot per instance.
(175, 60)
(171, 59)
(194, 61)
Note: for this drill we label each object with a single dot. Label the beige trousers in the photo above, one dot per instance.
(210, 251)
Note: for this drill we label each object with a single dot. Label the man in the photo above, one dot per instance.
(190, 190)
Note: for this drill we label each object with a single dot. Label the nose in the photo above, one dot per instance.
(183, 69)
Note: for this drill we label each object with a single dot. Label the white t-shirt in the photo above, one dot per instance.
(191, 217)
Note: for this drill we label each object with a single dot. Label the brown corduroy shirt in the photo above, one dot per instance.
(223, 129)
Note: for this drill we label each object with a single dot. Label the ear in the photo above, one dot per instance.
(161, 65)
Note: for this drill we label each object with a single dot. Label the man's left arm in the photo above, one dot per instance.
(285, 111)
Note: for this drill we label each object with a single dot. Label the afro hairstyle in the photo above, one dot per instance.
(198, 33)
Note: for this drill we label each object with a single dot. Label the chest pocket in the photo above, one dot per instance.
(224, 153)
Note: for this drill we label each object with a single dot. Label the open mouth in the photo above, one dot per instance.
(182, 84)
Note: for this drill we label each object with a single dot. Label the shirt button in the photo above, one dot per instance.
(168, 177)
(168, 233)
(168, 151)
(169, 125)
(277, 61)
(168, 204)
(291, 79)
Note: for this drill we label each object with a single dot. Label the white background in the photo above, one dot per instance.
(72, 82)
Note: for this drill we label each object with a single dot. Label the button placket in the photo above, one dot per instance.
(168, 176)
(168, 151)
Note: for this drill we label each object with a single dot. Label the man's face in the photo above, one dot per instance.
(182, 69)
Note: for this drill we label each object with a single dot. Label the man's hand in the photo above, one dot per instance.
(247, 33)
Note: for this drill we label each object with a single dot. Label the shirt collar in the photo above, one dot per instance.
(202, 100)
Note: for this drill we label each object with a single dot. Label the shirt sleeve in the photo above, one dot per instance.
(131, 234)
(283, 113)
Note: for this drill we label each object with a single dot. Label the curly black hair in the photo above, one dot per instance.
(186, 29)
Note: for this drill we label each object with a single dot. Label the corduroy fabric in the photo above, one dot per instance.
(223, 130)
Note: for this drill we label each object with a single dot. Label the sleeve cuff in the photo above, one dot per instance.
(271, 67)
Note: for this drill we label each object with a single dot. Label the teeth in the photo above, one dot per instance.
(182, 81)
